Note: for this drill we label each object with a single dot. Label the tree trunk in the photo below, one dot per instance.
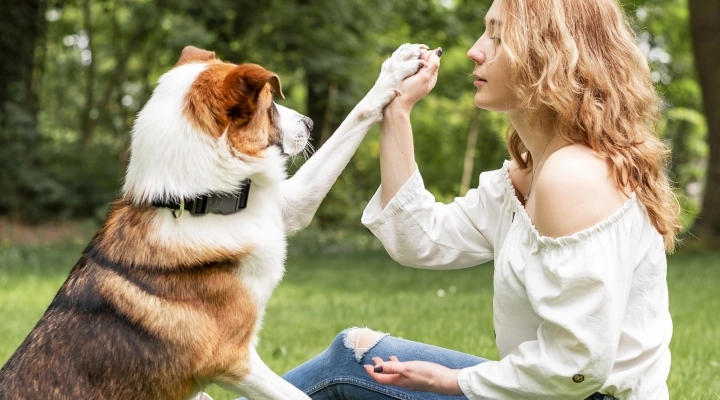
(22, 25)
(87, 125)
(326, 129)
(317, 104)
(470, 151)
(705, 30)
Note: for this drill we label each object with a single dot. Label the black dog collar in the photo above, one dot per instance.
(215, 203)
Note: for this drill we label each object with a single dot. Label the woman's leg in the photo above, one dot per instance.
(338, 372)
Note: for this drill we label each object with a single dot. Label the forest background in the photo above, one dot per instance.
(73, 74)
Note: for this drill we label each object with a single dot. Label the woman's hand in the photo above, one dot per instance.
(415, 375)
(419, 85)
(397, 154)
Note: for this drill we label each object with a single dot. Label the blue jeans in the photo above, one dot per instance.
(337, 374)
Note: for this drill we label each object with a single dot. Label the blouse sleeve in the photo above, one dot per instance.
(579, 286)
(419, 232)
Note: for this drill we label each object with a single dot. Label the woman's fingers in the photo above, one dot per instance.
(396, 373)
(394, 366)
(415, 375)
(389, 372)
(389, 380)
(432, 58)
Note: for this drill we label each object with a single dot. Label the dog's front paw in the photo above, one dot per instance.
(404, 62)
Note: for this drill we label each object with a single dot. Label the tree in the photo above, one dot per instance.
(22, 25)
(705, 28)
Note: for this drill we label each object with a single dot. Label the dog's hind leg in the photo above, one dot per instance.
(263, 384)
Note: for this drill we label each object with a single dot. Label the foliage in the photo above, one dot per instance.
(101, 58)
(324, 293)
(664, 36)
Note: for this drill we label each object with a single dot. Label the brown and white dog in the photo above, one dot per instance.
(169, 297)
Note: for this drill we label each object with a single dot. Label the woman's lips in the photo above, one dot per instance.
(480, 82)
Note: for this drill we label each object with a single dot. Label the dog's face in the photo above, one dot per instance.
(209, 125)
(237, 100)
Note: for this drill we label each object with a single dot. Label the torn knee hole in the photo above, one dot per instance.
(361, 340)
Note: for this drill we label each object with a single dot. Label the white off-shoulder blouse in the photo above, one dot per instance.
(573, 315)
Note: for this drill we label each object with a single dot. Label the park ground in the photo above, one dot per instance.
(331, 285)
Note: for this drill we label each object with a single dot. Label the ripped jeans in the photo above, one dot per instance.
(338, 374)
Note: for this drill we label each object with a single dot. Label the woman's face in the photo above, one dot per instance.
(492, 75)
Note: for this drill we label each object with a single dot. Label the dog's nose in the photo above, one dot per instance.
(308, 123)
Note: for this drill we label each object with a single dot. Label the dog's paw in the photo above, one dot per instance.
(404, 62)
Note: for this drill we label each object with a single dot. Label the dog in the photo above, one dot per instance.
(169, 295)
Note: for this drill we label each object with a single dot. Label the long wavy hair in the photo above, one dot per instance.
(579, 60)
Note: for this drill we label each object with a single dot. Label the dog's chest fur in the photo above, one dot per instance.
(256, 235)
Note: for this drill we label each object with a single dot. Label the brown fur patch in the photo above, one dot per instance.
(237, 98)
(191, 297)
(207, 314)
(204, 104)
(124, 327)
(126, 237)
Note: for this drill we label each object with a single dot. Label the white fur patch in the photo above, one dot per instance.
(263, 383)
(171, 159)
(295, 132)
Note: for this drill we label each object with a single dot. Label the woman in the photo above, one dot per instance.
(577, 222)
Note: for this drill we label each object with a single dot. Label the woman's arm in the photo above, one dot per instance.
(416, 230)
(397, 153)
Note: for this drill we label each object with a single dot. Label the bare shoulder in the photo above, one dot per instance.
(575, 190)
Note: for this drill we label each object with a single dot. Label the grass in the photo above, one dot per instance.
(323, 294)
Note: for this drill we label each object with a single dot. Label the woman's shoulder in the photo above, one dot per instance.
(575, 190)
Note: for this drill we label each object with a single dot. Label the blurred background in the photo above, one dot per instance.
(73, 74)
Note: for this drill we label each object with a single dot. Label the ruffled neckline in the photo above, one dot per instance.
(575, 238)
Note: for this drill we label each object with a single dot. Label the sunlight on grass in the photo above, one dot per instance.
(322, 295)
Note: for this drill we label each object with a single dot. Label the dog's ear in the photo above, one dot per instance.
(242, 88)
(274, 82)
(193, 54)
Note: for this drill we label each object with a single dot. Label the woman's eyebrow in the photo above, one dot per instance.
(492, 22)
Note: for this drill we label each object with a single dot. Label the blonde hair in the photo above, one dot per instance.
(579, 60)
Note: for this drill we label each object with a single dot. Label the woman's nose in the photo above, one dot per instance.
(476, 55)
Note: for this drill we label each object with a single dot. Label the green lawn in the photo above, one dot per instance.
(323, 294)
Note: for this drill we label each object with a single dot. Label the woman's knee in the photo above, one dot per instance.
(360, 340)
